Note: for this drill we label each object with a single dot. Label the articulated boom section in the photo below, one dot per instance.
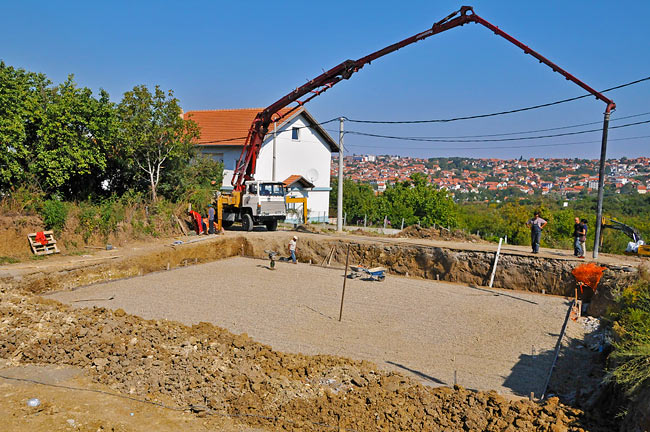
(246, 164)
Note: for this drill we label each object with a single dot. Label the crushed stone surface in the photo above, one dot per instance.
(435, 332)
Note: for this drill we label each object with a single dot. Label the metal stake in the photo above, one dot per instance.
(275, 135)
(496, 260)
(339, 198)
(601, 182)
(345, 278)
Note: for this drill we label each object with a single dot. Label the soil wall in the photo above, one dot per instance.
(516, 272)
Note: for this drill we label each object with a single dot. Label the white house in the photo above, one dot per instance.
(303, 149)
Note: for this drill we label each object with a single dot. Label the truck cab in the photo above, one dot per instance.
(262, 203)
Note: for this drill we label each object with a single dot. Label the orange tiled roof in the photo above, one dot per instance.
(228, 126)
(291, 179)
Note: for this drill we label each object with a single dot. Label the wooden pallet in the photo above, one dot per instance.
(46, 249)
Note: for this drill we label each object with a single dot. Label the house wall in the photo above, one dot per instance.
(309, 156)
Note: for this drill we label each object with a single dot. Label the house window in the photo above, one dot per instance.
(294, 133)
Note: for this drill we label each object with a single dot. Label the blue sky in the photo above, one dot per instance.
(250, 53)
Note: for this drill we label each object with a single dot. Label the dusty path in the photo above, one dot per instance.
(69, 400)
(420, 327)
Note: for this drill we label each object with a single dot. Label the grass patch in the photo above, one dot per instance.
(78, 252)
(8, 260)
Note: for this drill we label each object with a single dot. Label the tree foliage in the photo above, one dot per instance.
(153, 132)
(415, 201)
(68, 143)
(22, 98)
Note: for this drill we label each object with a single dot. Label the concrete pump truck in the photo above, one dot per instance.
(253, 202)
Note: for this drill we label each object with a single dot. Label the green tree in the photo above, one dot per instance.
(22, 101)
(194, 182)
(153, 133)
(70, 150)
(417, 200)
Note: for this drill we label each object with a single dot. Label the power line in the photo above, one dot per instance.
(538, 130)
(496, 113)
(497, 147)
(491, 139)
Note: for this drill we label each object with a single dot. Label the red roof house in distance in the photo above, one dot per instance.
(302, 148)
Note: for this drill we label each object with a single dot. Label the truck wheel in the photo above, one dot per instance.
(271, 225)
(247, 222)
(226, 223)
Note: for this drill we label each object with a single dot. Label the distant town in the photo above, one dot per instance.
(499, 178)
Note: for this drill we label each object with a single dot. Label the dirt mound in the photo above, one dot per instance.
(212, 369)
(307, 228)
(416, 231)
(14, 230)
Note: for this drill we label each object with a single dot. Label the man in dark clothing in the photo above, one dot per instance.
(577, 228)
(583, 237)
(210, 219)
(536, 224)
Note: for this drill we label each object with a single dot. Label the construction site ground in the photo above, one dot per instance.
(492, 339)
(71, 401)
(423, 328)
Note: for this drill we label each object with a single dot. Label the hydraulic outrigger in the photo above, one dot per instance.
(245, 168)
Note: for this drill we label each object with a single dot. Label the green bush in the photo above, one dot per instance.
(54, 214)
(111, 213)
(630, 360)
(88, 220)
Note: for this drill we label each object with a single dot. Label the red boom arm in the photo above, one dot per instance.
(247, 161)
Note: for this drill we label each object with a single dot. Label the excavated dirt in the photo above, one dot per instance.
(70, 400)
(416, 231)
(215, 371)
(14, 230)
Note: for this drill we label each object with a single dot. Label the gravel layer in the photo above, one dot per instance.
(491, 340)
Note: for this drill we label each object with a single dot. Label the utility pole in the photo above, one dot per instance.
(275, 135)
(339, 201)
(601, 182)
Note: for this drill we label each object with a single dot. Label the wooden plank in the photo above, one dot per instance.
(181, 225)
(43, 249)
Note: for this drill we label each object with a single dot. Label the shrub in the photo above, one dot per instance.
(111, 213)
(22, 200)
(54, 214)
(630, 360)
(88, 221)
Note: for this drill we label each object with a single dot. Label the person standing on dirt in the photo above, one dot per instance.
(210, 219)
(583, 238)
(536, 225)
(577, 228)
(292, 249)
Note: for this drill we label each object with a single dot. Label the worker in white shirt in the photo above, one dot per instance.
(292, 249)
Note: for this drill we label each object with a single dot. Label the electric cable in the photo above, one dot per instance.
(535, 131)
(491, 139)
(495, 147)
(544, 105)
